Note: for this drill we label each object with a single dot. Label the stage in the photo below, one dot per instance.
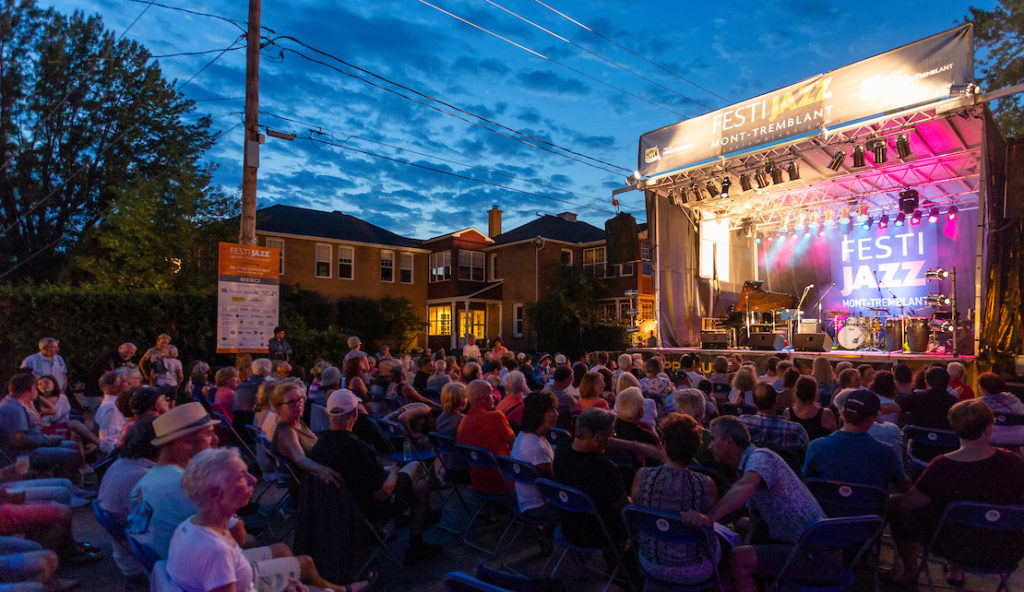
(881, 360)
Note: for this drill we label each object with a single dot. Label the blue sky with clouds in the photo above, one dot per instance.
(579, 109)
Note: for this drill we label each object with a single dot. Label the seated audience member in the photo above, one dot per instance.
(226, 379)
(655, 385)
(624, 363)
(768, 486)
(379, 493)
(688, 364)
(928, 408)
(769, 430)
(487, 428)
(629, 406)
(904, 378)
(244, 400)
(199, 388)
(591, 389)
(108, 418)
(743, 384)
(977, 471)
(137, 456)
(823, 373)
(25, 566)
(957, 373)
(20, 433)
(771, 373)
(399, 392)
(203, 557)
(157, 505)
(353, 375)
(851, 454)
(425, 367)
(883, 384)
(282, 369)
(440, 376)
(146, 402)
(817, 421)
(787, 395)
(849, 381)
(672, 487)
(540, 412)
(567, 401)
(515, 391)
(867, 373)
(293, 440)
(54, 409)
(991, 387)
(264, 415)
(453, 410)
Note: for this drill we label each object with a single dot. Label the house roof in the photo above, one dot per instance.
(554, 228)
(332, 225)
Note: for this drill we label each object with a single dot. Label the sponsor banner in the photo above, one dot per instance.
(914, 74)
(884, 269)
(247, 298)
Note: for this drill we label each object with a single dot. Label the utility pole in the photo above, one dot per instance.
(251, 154)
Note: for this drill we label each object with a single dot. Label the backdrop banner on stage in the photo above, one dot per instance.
(914, 74)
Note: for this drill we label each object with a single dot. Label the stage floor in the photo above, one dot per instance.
(858, 356)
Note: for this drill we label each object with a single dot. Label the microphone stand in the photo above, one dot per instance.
(904, 345)
(822, 298)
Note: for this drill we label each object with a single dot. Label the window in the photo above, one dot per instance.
(439, 320)
(517, 320)
(323, 261)
(566, 258)
(494, 266)
(346, 263)
(387, 266)
(471, 322)
(624, 315)
(646, 311)
(471, 266)
(645, 257)
(277, 243)
(441, 266)
(405, 272)
(608, 310)
(626, 269)
(594, 262)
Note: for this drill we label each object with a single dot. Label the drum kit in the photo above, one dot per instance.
(881, 331)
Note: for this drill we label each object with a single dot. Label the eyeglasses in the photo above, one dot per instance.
(297, 401)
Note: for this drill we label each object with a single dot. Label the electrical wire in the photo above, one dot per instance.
(598, 56)
(550, 59)
(449, 173)
(623, 47)
(240, 24)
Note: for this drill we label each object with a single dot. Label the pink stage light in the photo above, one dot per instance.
(933, 215)
(915, 218)
(821, 232)
(952, 213)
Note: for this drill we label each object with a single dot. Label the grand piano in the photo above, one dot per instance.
(754, 298)
(766, 312)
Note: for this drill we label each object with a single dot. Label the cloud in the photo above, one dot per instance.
(552, 84)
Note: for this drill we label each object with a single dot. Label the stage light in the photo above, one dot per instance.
(844, 216)
(963, 89)
(915, 218)
(807, 234)
(858, 156)
(909, 200)
(867, 223)
(776, 173)
(761, 178)
(793, 170)
(933, 215)
(801, 221)
(630, 180)
(830, 217)
(880, 151)
(937, 273)
(793, 236)
(821, 232)
(769, 238)
(785, 225)
(952, 212)
(673, 198)
(758, 238)
(695, 190)
(903, 146)
(940, 325)
(937, 300)
(862, 212)
(710, 186)
(814, 223)
(900, 219)
(883, 222)
(745, 182)
(726, 183)
(837, 160)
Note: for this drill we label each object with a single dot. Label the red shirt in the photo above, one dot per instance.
(962, 390)
(488, 430)
(512, 408)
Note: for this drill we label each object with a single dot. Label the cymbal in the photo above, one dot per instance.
(879, 309)
(836, 313)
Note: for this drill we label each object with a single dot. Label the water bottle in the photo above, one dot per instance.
(407, 451)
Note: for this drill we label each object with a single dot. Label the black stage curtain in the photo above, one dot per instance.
(675, 262)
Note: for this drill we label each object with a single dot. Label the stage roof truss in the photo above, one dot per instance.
(944, 166)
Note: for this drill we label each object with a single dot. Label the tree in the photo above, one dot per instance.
(83, 118)
(999, 34)
(566, 316)
(385, 321)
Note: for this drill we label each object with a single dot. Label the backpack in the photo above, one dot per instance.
(160, 367)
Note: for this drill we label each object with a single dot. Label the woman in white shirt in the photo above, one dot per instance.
(540, 413)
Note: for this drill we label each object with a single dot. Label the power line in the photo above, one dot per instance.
(598, 56)
(235, 22)
(449, 173)
(456, 116)
(623, 47)
(552, 60)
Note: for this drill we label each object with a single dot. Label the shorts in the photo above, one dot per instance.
(17, 518)
(401, 500)
(271, 574)
(811, 564)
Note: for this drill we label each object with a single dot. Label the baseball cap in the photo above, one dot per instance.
(342, 402)
(559, 359)
(863, 402)
(330, 375)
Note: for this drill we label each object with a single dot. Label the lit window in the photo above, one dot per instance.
(441, 266)
(405, 273)
(346, 263)
(608, 310)
(387, 266)
(566, 258)
(440, 320)
(594, 262)
(517, 320)
(624, 315)
(277, 243)
(646, 311)
(323, 261)
(471, 266)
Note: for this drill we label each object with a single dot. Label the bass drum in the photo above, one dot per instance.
(852, 336)
(917, 334)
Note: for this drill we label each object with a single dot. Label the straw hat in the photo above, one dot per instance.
(180, 421)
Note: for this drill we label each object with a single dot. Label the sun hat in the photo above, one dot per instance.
(180, 421)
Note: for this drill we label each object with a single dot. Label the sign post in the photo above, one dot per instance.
(248, 294)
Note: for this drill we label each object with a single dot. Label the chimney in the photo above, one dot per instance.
(493, 221)
(568, 216)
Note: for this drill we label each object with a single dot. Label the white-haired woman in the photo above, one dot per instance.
(516, 390)
(203, 557)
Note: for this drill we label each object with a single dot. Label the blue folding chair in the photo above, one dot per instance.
(458, 581)
(114, 527)
(839, 499)
(226, 424)
(941, 441)
(517, 471)
(481, 458)
(143, 553)
(999, 560)
(852, 534)
(445, 448)
(667, 527)
(557, 436)
(570, 499)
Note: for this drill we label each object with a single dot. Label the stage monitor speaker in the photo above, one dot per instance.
(623, 240)
(714, 340)
(766, 341)
(813, 342)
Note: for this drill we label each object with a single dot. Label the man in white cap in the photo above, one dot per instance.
(379, 493)
(157, 504)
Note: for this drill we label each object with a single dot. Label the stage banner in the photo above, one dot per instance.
(915, 74)
(248, 293)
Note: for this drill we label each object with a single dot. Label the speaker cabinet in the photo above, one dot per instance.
(812, 342)
(714, 340)
(623, 240)
(766, 341)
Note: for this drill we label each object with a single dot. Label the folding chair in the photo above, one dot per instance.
(482, 458)
(939, 440)
(114, 527)
(445, 447)
(1007, 520)
(736, 409)
(839, 499)
(569, 499)
(458, 581)
(855, 533)
(557, 436)
(667, 527)
(276, 471)
(517, 471)
(226, 424)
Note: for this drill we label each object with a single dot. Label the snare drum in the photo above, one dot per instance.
(852, 336)
(917, 334)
